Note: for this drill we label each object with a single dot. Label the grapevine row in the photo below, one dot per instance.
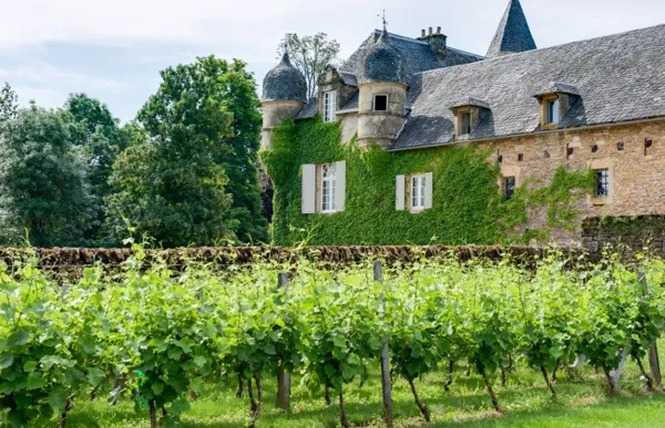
(160, 337)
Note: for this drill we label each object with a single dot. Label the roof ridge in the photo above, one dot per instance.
(420, 42)
(531, 52)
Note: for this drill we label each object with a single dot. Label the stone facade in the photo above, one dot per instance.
(597, 104)
(636, 171)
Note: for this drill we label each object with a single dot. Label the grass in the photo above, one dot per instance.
(581, 402)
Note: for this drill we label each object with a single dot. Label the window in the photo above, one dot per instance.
(330, 106)
(508, 187)
(553, 111)
(602, 183)
(380, 102)
(465, 123)
(418, 186)
(328, 188)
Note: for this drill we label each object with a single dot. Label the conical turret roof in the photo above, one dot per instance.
(514, 34)
(285, 83)
(384, 63)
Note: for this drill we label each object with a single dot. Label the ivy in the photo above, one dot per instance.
(468, 207)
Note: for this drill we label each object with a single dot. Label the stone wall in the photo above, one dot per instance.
(633, 153)
(635, 233)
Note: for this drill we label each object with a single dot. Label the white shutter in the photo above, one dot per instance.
(429, 181)
(340, 186)
(400, 194)
(309, 189)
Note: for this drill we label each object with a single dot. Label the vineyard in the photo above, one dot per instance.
(162, 338)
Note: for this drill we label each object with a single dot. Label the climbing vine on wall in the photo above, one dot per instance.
(467, 205)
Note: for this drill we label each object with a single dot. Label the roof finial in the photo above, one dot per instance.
(285, 56)
(385, 22)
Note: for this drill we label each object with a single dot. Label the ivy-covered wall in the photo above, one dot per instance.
(467, 205)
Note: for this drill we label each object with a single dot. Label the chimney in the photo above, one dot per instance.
(437, 41)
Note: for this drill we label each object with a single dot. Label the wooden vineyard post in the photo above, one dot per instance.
(385, 358)
(283, 378)
(654, 360)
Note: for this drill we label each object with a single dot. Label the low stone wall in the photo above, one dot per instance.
(632, 233)
(76, 258)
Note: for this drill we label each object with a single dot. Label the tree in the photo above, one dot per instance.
(8, 103)
(211, 109)
(43, 179)
(311, 55)
(194, 182)
(102, 140)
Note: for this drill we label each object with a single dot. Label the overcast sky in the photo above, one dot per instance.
(113, 49)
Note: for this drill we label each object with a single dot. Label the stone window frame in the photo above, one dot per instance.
(509, 171)
(387, 109)
(598, 165)
(460, 114)
(546, 101)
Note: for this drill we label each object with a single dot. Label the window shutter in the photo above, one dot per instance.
(429, 179)
(309, 189)
(340, 178)
(400, 194)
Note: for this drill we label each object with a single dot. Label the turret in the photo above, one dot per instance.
(284, 94)
(382, 95)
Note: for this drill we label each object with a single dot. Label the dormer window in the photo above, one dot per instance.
(554, 102)
(468, 115)
(330, 106)
(553, 111)
(465, 123)
(380, 102)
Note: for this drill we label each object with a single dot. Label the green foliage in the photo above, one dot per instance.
(8, 103)
(195, 181)
(164, 334)
(43, 180)
(311, 55)
(478, 214)
(102, 140)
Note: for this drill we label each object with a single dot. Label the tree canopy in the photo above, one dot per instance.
(311, 55)
(193, 181)
(43, 180)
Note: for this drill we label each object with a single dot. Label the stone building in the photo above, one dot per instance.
(595, 104)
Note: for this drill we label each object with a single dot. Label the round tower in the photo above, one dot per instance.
(284, 94)
(382, 95)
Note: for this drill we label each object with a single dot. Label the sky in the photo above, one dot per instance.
(113, 50)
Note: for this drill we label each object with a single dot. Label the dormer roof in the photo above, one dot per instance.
(558, 88)
(513, 34)
(470, 102)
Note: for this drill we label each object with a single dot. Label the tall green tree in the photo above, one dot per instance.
(98, 133)
(43, 179)
(8, 103)
(194, 181)
(208, 111)
(311, 55)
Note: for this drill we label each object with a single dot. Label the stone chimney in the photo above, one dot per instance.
(437, 41)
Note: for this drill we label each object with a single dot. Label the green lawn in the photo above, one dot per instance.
(525, 399)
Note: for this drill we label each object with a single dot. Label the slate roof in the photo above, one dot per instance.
(514, 34)
(309, 110)
(619, 78)
(384, 63)
(417, 55)
(284, 82)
